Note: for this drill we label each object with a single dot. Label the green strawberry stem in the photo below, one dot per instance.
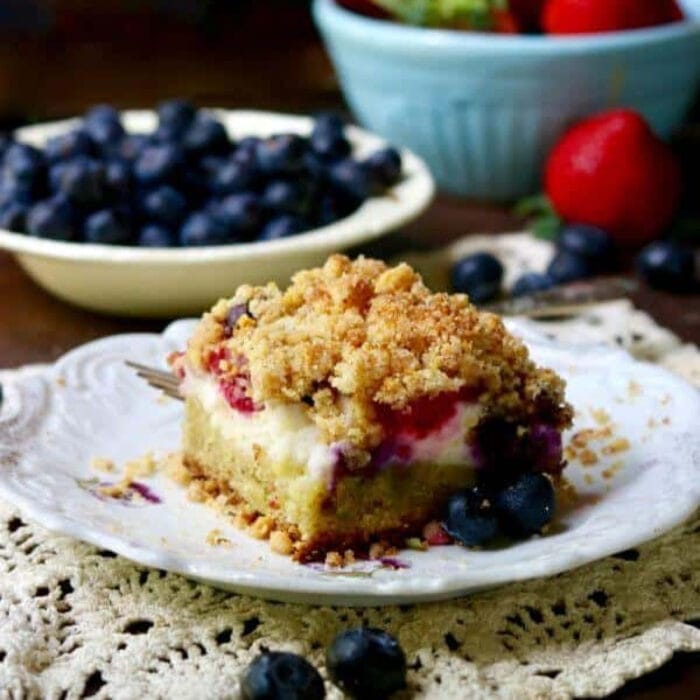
(543, 221)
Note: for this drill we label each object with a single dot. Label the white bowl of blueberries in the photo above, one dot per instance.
(160, 213)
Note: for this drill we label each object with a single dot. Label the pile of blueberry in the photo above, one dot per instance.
(364, 662)
(582, 251)
(185, 184)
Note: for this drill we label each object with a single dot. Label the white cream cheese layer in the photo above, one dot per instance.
(288, 434)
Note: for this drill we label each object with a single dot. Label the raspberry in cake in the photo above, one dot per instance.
(347, 408)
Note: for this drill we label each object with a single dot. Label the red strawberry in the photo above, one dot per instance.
(590, 16)
(527, 13)
(364, 7)
(613, 172)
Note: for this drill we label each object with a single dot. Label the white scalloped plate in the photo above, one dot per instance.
(89, 404)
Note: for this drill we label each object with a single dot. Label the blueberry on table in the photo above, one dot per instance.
(277, 675)
(157, 164)
(366, 663)
(156, 236)
(205, 135)
(239, 213)
(668, 265)
(107, 226)
(281, 154)
(202, 228)
(52, 218)
(530, 283)
(165, 205)
(569, 267)
(384, 166)
(67, 146)
(13, 216)
(527, 505)
(82, 180)
(232, 177)
(283, 227)
(329, 144)
(589, 242)
(470, 518)
(479, 276)
(176, 115)
(351, 178)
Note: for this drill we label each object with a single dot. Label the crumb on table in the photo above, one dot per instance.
(102, 464)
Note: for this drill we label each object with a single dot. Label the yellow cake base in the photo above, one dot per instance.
(391, 504)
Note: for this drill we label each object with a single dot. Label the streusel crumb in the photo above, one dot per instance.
(355, 337)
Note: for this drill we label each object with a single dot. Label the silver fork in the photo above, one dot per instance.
(166, 382)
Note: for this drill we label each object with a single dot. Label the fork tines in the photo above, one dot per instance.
(166, 382)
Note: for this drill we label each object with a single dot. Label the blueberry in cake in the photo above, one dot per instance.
(349, 407)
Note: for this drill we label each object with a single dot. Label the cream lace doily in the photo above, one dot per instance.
(76, 622)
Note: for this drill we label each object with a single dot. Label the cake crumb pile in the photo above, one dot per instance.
(353, 338)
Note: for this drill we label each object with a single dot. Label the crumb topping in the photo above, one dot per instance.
(353, 338)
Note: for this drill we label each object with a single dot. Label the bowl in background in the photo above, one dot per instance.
(164, 282)
(484, 109)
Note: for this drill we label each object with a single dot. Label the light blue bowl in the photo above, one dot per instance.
(484, 110)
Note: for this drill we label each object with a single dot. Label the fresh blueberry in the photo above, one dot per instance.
(479, 275)
(329, 121)
(329, 144)
(12, 190)
(157, 164)
(332, 207)
(667, 265)
(590, 242)
(107, 226)
(165, 205)
(282, 227)
(176, 115)
(316, 168)
(246, 150)
(366, 663)
(277, 675)
(82, 180)
(131, 146)
(527, 505)
(13, 216)
(568, 267)
(24, 163)
(384, 166)
(205, 135)
(470, 518)
(288, 196)
(106, 133)
(68, 146)
(6, 140)
(232, 177)
(530, 283)
(156, 236)
(118, 177)
(351, 178)
(202, 228)
(102, 113)
(240, 213)
(51, 218)
(282, 154)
